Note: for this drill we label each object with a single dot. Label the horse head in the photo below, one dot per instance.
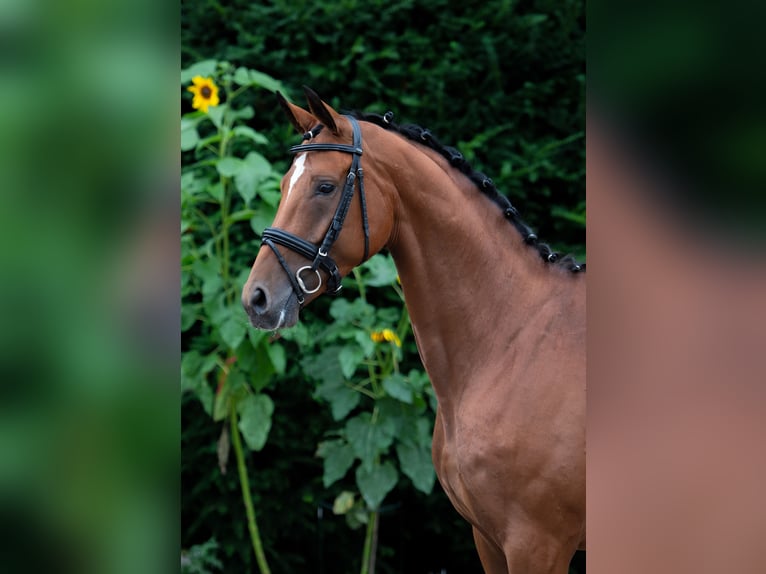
(331, 217)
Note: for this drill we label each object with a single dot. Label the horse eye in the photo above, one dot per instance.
(325, 188)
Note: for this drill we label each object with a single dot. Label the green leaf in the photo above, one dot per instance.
(221, 404)
(300, 334)
(576, 217)
(229, 166)
(237, 383)
(241, 215)
(194, 371)
(417, 465)
(397, 387)
(216, 309)
(380, 270)
(265, 81)
(271, 197)
(323, 366)
(423, 433)
(338, 458)
(216, 137)
(216, 115)
(262, 218)
(191, 184)
(208, 270)
(246, 77)
(249, 133)
(326, 367)
(368, 440)
(255, 336)
(189, 121)
(216, 191)
(255, 419)
(357, 311)
(247, 357)
(387, 315)
(230, 393)
(534, 19)
(188, 316)
(400, 417)
(189, 138)
(367, 344)
(278, 358)
(245, 113)
(253, 169)
(349, 358)
(242, 76)
(342, 399)
(376, 482)
(205, 68)
(418, 379)
(233, 330)
(357, 516)
(263, 367)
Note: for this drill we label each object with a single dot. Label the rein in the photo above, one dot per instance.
(320, 254)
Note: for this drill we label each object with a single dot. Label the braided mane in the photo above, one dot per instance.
(424, 137)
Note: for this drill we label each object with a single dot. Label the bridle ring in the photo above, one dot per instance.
(303, 285)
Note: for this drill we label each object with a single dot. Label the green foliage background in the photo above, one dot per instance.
(503, 82)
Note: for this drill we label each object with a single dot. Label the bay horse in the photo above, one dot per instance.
(498, 318)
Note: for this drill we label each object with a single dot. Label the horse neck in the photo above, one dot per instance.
(469, 280)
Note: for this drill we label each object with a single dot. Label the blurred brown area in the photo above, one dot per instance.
(677, 305)
(676, 423)
(676, 169)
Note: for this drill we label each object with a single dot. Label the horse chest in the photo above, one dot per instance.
(471, 462)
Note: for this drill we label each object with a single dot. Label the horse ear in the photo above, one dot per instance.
(321, 110)
(302, 120)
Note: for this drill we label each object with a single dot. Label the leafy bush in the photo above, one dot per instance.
(201, 559)
(503, 81)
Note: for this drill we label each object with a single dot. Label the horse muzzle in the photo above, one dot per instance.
(270, 309)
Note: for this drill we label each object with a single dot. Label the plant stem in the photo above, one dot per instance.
(252, 525)
(225, 199)
(374, 550)
(370, 544)
(360, 284)
(404, 323)
(370, 366)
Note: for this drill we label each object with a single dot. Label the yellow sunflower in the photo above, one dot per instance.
(205, 93)
(386, 335)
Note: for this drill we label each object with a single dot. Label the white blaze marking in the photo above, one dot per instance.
(297, 172)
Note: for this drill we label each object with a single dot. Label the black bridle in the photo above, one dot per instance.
(320, 254)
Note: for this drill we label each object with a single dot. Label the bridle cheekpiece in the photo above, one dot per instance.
(319, 255)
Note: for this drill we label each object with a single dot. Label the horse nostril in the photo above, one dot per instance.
(258, 300)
